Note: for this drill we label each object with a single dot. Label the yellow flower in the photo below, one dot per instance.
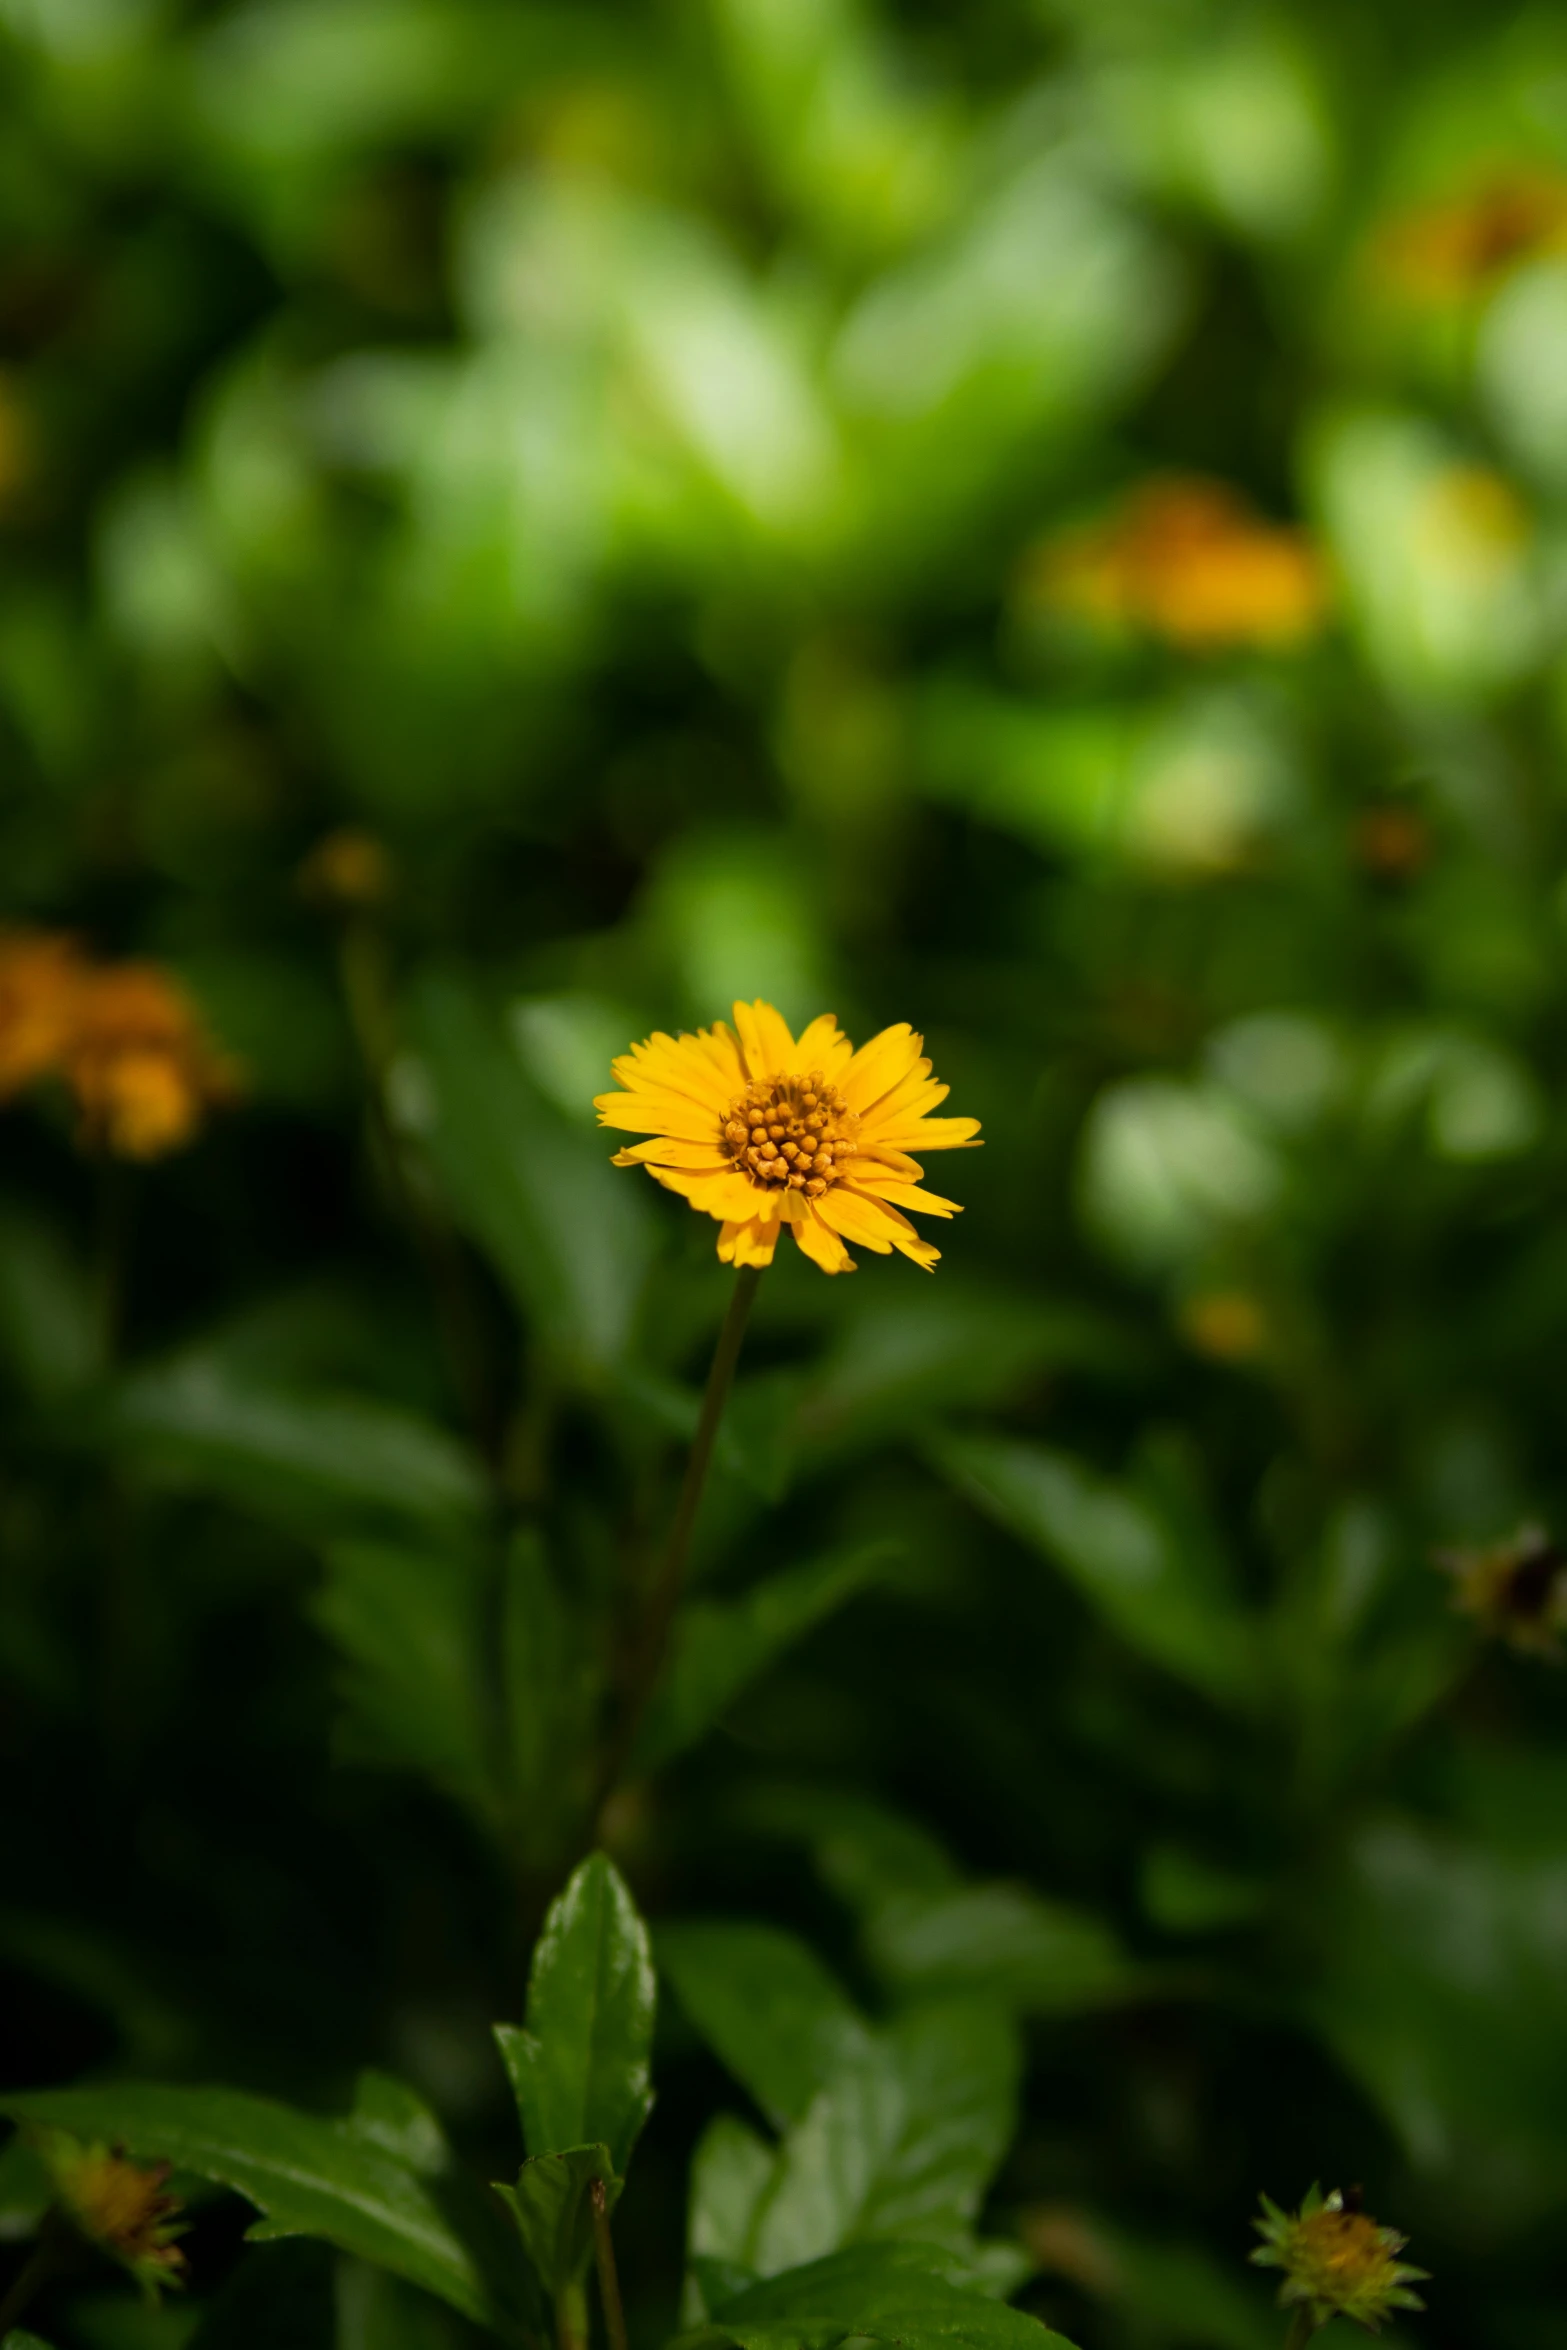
(121, 2207)
(1449, 250)
(40, 973)
(762, 1131)
(1187, 560)
(139, 1062)
(348, 868)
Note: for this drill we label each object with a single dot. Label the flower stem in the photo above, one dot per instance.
(665, 1595)
(604, 2256)
(571, 2318)
(1301, 2329)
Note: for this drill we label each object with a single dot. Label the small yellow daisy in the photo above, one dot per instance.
(762, 1130)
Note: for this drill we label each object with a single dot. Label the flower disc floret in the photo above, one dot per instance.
(767, 1132)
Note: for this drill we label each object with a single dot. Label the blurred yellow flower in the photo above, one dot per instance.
(140, 1063)
(1464, 244)
(1187, 560)
(348, 868)
(1225, 1324)
(119, 2206)
(40, 975)
(763, 1131)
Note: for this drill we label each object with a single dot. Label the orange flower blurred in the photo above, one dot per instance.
(140, 1063)
(1444, 251)
(40, 973)
(1188, 560)
(348, 868)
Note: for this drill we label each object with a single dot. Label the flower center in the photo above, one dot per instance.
(790, 1131)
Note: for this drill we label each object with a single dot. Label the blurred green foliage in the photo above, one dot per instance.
(668, 475)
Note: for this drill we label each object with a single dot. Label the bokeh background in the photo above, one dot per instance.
(1044, 520)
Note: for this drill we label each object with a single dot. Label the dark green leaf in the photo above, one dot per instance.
(317, 1459)
(905, 1357)
(1005, 1940)
(579, 2064)
(569, 1233)
(1143, 1570)
(412, 1631)
(338, 2180)
(767, 2007)
(550, 2204)
(720, 1646)
(888, 2292)
(50, 1324)
(551, 1688)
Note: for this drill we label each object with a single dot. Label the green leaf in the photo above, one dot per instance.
(552, 1691)
(1148, 1574)
(50, 1334)
(887, 2292)
(550, 2204)
(901, 2143)
(379, 2184)
(411, 1626)
(925, 1931)
(903, 1358)
(569, 1233)
(1045, 1957)
(730, 2172)
(720, 1646)
(579, 2066)
(317, 1459)
(767, 2007)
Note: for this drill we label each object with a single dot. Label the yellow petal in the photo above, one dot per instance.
(933, 1134)
(824, 1046)
(664, 1152)
(906, 1195)
(721, 1194)
(911, 1097)
(863, 1221)
(878, 1066)
(821, 1244)
(765, 1040)
(657, 1113)
(750, 1243)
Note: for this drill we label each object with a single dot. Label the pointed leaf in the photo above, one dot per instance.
(338, 2180)
(318, 1459)
(580, 2065)
(767, 2007)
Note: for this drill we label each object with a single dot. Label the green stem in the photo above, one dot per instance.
(604, 2256)
(571, 2318)
(664, 1597)
(1301, 2330)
